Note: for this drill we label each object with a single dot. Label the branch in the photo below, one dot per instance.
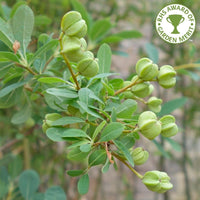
(128, 86)
(189, 65)
(67, 63)
(26, 68)
(123, 161)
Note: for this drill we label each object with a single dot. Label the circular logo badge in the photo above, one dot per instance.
(175, 23)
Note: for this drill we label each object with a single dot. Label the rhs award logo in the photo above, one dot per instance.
(175, 23)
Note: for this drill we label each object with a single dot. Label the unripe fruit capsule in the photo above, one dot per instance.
(146, 69)
(167, 76)
(88, 67)
(72, 24)
(148, 124)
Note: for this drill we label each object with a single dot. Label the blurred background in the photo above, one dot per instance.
(23, 148)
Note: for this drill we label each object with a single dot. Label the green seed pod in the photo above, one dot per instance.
(72, 48)
(151, 88)
(154, 104)
(146, 70)
(167, 76)
(72, 24)
(127, 94)
(88, 54)
(148, 124)
(49, 118)
(69, 19)
(140, 156)
(157, 181)
(88, 67)
(83, 44)
(29, 123)
(169, 128)
(141, 90)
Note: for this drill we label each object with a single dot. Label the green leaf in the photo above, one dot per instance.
(15, 167)
(106, 166)
(6, 34)
(78, 144)
(77, 155)
(16, 6)
(62, 92)
(81, 9)
(195, 76)
(8, 56)
(126, 109)
(172, 105)
(98, 129)
(176, 146)
(71, 132)
(55, 134)
(51, 80)
(10, 88)
(111, 131)
(42, 50)
(99, 76)
(97, 157)
(83, 184)
(29, 182)
(85, 95)
(152, 52)
(42, 20)
(75, 172)
(22, 25)
(85, 147)
(117, 83)
(127, 140)
(55, 193)
(67, 120)
(125, 151)
(22, 116)
(38, 196)
(104, 55)
(99, 29)
(160, 148)
(129, 34)
(89, 110)
(112, 39)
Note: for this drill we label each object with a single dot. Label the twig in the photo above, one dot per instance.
(68, 64)
(14, 141)
(109, 154)
(133, 170)
(128, 86)
(189, 65)
(31, 90)
(27, 68)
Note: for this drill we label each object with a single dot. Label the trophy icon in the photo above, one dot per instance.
(175, 20)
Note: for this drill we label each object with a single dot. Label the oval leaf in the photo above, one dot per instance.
(126, 109)
(83, 184)
(60, 92)
(112, 131)
(104, 55)
(28, 183)
(22, 24)
(125, 151)
(75, 172)
(55, 193)
(51, 80)
(100, 28)
(67, 120)
(97, 157)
